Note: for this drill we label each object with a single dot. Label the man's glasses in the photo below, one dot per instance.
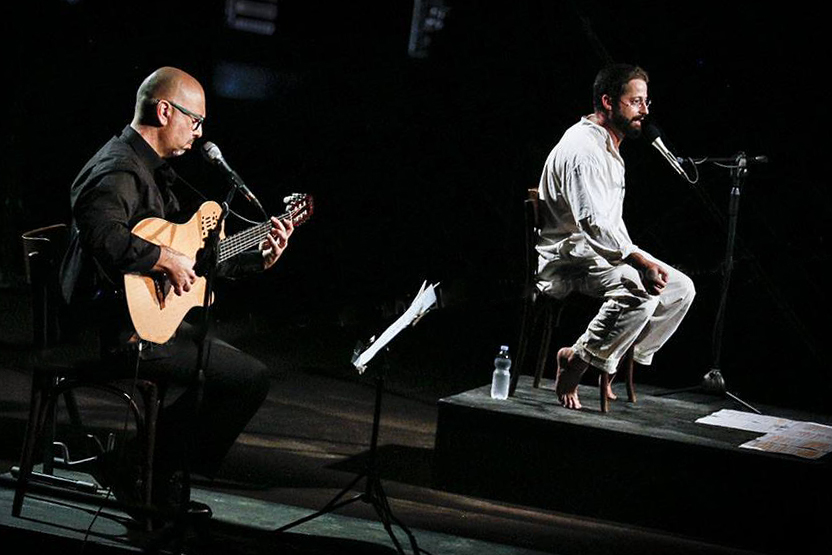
(195, 118)
(638, 102)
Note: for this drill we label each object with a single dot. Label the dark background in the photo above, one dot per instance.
(419, 166)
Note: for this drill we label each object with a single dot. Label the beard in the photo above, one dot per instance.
(626, 125)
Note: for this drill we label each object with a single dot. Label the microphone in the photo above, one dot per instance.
(651, 133)
(212, 154)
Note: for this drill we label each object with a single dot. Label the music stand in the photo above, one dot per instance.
(373, 490)
(713, 381)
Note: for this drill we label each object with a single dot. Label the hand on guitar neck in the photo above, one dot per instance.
(276, 241)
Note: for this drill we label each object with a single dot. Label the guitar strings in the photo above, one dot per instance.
(239, 242)
(244, 240)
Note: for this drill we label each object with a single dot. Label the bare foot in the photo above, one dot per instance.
(570, 370)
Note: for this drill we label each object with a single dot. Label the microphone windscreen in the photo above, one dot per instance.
(650, 131)
(211, 152)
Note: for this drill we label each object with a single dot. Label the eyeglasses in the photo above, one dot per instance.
(195, 118)
(638, 102)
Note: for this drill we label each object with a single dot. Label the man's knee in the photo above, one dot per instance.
(687, 290)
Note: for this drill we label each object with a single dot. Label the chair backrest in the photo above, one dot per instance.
(43, 250)
(530, 209)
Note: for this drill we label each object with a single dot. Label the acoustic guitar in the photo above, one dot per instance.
(156, 310)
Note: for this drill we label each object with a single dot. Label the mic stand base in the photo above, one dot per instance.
(712, 383)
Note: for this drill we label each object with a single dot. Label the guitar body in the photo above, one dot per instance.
(155, 309)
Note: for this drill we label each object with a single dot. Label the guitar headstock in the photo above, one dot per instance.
(299, 207)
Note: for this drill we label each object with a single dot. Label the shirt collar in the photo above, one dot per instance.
(605, 135)
(155, 163)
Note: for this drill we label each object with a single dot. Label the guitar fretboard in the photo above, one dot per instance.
(235, 244)
(242, 241)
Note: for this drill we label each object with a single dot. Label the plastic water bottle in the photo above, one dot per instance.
(501, 377)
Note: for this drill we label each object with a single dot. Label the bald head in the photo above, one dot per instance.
(164, 83)
(170, 109)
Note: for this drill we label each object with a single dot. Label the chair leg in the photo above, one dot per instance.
(628, 367)
(37, 412)
(543, 351)
(603, 386)
(152, 401)
(625, 368)
(526, 327)
(87, 444)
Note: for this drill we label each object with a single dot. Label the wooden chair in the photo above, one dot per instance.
(543, 315)
(58, 371)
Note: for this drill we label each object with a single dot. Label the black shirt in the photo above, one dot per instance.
(125, 182)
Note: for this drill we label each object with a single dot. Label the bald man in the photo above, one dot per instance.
(126, 181)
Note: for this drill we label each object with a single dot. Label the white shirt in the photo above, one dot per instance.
(581, 196)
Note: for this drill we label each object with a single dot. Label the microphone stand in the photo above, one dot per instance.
(239, 185)
(713, 381)
(207, 264)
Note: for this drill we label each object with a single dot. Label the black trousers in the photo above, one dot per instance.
(199, 429)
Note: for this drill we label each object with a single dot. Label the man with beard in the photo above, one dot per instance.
(584, 246)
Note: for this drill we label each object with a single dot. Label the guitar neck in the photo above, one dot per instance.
(300, 209)
(235, 244)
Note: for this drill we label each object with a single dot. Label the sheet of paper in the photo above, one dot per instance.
(748, 421)
(807, 440)
(425, 299)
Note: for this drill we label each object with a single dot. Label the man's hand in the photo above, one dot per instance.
(178, 267)
(653, 276)
(654, 279)
(276, 241)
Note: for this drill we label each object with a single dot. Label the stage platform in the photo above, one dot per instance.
(647, 464)
(51, 525)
